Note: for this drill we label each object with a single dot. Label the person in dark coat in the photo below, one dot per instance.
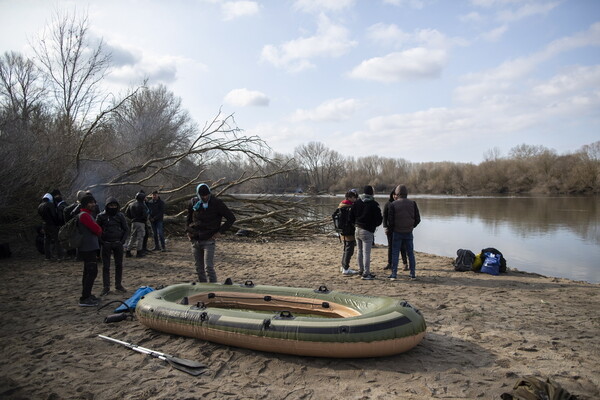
(403, 217)
(51, 224)
(366, 216)
(347, 233)
(137, 212)
(114, 234)
(204, 224)
(88, 249)
(157, 212)
(389, 233)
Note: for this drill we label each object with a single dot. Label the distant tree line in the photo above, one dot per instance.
(60, 129)
(315, 169)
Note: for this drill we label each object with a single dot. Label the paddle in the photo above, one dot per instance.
(189, 366)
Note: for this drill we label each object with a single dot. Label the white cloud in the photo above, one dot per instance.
(317, 6)
(244, 98)
(570, 81)
(331, 40)
(495, 34)
(526, 10)
(415, 63)
(332, 110)
(472, 17)
(387, 34)
(418, 4)
(495, 82)
(235, 9)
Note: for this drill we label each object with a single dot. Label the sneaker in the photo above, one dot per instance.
(413, 278)
(392, 277)
(163, 250)
(368, 277)
(89, 302)
(349, 272)
(156, 249)
(121, 289)
(105, 291)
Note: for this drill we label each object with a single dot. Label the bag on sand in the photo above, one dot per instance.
(498, 252)
(69, 235)
(491, 263)
(464, 260)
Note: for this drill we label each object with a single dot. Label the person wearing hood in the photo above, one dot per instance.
(51, 224)
(204, 224)
(347, 231)
(403, 217)
(366, 216)
(114, 234)
(88, 249)
(137, 212)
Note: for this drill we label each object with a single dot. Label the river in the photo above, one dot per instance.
(553, 236)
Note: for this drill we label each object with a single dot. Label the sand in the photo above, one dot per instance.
(483, 333)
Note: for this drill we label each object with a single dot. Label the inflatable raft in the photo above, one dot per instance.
(306, 322)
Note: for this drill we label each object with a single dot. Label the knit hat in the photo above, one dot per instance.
(80, 194)
(368, 190)
(401, 191)
(87, 199)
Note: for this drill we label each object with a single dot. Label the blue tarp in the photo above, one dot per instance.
(133, 300)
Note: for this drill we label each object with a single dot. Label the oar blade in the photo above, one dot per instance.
(195, 371)
(187, 363)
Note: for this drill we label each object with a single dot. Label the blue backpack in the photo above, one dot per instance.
(133, 300)
(491, 263)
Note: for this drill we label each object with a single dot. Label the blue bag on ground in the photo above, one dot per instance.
(491, 263)
(133, 300)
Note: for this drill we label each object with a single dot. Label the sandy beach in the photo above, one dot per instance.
(484, 332)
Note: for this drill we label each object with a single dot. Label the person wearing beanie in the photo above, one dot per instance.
(403, 217)
(114, 234)
(204, 224)
(366, 216)
(50, 224)
(137, 212)
(88, 250)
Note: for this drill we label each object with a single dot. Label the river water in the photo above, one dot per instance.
(552, 236)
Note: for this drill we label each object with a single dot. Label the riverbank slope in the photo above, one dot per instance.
(484, 332)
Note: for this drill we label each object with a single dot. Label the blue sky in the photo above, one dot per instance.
(423, 80)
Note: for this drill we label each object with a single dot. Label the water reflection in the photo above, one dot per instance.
(555, 236)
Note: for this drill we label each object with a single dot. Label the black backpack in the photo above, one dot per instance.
(341, 220)
(69, 235)
(464, 260)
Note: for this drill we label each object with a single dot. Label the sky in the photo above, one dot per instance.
(421, 80)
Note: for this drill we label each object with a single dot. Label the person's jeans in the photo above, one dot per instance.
(390, 241)
(108, 249)
(159, 235)
(204, 256)
(399, 240)
(364, 241)
(90, 271)
(349, 246)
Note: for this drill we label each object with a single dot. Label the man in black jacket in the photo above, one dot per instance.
(403, 217)
(47, 210)
(205, 214)
(157, 212)
(366, 216)
(114, 234)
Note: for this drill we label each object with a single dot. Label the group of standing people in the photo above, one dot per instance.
(105, 234)
(363, 215)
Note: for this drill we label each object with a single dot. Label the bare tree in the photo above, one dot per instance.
(75, 65)
(21, 89)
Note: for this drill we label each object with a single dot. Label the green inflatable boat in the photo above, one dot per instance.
(308, 322)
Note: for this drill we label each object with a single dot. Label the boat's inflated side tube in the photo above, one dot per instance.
(285, 320)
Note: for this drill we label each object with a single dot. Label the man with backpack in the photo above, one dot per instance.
(341, 221)
(366, 216)
(205, 214)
